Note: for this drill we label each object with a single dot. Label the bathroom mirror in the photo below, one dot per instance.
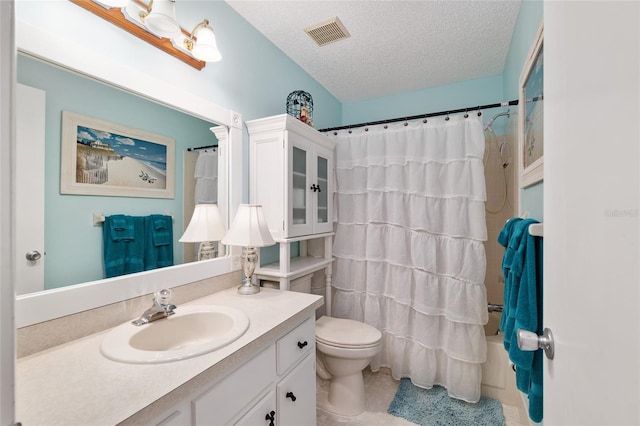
(41, 306)
(67, 229)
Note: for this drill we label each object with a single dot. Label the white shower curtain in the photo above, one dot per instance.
(408, 248)
(206, 175)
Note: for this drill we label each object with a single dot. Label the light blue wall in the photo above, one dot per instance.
(454, 96)
(73, 246)
(529, 20)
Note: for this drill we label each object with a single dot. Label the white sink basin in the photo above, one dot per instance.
(191, 331)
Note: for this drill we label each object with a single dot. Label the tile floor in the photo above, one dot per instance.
(380, 389)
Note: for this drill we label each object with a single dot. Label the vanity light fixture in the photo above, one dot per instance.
(249, 230)
(155, 22)
(202, 43)
(206, 227)
(160, 18)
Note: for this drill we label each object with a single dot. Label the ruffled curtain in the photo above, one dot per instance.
(206, 175)
(409, 257)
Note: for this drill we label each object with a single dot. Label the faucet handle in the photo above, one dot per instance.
(163, 296)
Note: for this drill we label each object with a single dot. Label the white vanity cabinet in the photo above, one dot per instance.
(291, 176)
(276, 387)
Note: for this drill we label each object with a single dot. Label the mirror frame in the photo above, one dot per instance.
(50, 304)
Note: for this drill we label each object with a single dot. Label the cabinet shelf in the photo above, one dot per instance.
(298, 267)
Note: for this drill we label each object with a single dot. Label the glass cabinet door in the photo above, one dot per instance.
(299, 186)
(322, 193)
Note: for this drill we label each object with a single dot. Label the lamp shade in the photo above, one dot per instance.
(206, 225)
(206, 48)
(249, 228)
(162, 19)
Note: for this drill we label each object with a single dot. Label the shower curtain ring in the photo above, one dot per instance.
(447, 117)
(466, 113)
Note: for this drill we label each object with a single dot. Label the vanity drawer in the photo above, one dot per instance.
(228, 398)
(257, 416)
(295, 345)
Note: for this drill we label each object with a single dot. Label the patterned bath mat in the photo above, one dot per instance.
(433, 407)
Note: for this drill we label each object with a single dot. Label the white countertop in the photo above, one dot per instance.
(74, 384)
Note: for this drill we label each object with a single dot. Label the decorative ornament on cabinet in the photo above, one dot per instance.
(300, 106)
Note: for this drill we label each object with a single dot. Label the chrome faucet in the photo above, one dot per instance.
(161, 308)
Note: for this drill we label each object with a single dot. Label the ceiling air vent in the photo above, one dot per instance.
(327, 32)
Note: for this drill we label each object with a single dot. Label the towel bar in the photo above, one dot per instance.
(97, 218)
(494, 308)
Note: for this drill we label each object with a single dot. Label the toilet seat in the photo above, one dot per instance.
(347, 334)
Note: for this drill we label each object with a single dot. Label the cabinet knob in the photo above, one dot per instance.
(271, 418)
(291, 395)
(302, 344)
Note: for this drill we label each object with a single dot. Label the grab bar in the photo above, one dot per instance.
(494, 308)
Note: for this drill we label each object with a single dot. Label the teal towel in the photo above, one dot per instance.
(121, 227)
(123, 252)
(160, 231)
(158, 241)
(522, 269)
(509, 251)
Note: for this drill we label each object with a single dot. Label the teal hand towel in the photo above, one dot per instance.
(161, 230)
(504, 238)
(123, 255)
(158, 241)
(121, 227)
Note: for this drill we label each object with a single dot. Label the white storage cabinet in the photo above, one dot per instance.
(291, 176)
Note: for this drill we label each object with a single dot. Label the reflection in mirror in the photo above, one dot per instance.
(67, 53)
(71, 245)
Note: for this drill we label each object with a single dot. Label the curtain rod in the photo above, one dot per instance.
(431, 114)
(202, 147)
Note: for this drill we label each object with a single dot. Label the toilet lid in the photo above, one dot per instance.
(346, 333)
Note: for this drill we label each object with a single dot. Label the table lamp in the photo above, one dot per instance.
(206, 227)
(249, 230)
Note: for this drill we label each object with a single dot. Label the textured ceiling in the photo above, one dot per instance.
(395, 46)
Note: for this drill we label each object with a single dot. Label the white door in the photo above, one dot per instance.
(7, 297)
(591, 212)
(29, 197)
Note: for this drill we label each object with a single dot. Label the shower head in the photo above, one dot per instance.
(501, 114)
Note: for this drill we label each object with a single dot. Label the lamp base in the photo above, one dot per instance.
(249, 260)
(247, 289)
(207, 250)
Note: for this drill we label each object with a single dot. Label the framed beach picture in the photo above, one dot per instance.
(531, 106)
(102, 158)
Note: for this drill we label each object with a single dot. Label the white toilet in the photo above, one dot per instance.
(344, 348)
